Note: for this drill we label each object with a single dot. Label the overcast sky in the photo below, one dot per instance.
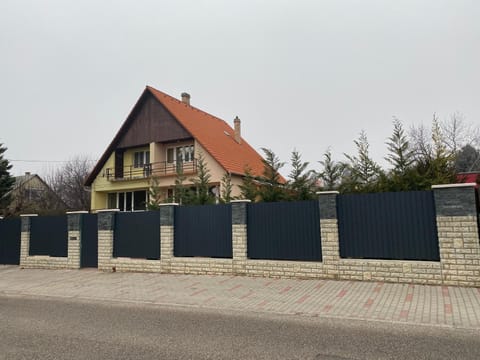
(299, 74)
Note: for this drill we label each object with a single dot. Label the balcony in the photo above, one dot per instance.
(161, 168)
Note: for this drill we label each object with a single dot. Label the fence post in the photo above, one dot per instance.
(25, 237)
(458, 236)
(239, 235)
(167, 233)
(74, 219)
(106, 228)
(327, 202)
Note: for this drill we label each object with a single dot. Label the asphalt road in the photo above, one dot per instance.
(46, 328)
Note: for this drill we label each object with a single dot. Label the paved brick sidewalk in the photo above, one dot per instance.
(417, 304)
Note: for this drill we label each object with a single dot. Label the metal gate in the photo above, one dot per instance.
(10, 235)
(89, 250)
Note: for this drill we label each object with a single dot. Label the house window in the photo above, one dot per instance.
(128, 200)
(112, 201)
(141, 158)
(180, 154)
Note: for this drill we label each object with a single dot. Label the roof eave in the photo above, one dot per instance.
(103, 159)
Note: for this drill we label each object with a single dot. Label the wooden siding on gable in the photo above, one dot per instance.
(151, 122)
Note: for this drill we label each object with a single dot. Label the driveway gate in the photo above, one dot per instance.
(89, 250)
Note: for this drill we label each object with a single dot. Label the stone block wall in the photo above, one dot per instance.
(72, 261)
(458, 235)
(106, 261)
(459, 250)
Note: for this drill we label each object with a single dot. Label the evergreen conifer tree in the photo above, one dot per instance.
(6, 179)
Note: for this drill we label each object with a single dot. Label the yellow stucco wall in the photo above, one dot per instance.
(101, 186)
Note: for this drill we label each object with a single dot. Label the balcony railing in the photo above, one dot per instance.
(161, 168)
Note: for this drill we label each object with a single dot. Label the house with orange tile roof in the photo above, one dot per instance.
(162, 137)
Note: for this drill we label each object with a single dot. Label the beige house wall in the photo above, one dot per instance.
(101, 186)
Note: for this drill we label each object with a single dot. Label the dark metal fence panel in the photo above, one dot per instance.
(284, 231)
(10, 235)
(400, 226)
(89, 249)
(204, 230)
(137, 235)
(49, 235)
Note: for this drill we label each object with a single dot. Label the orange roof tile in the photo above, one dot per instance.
(214, 134)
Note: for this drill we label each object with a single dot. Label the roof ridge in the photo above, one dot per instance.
(186, 105)
(231, 155)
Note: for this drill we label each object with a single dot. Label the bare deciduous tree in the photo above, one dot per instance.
(68, 182)
(457, 132)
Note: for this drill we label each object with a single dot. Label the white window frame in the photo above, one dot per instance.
(184, 150)
(117, 200)
(144, 158)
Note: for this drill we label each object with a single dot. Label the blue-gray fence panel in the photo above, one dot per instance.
(400, 226)
(10, 235)
(49, 235)
(284, 231)
(89, 249)
(137, 235)
(203, 230)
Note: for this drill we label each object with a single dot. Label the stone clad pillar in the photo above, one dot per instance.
(327, 201)
(106, 228)
(458, 234)
(74, 219)
(239, 235)
(25, 237)
(167, 233)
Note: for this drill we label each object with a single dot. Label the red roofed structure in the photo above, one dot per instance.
(469, 177)
(161, 136)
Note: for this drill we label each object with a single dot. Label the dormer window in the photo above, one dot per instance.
(141, 158)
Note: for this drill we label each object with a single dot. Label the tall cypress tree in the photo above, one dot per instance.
(362, 172)
(332, 172)
(202, 183)
(302, 181)
(6, 179)
(248, 188)
(271, 188)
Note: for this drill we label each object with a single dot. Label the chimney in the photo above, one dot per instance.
(186, 98)
(27, 173)
(238, 130)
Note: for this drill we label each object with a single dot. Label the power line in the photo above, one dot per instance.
(44, 161)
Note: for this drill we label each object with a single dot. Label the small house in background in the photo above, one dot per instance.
(31, 194)
(161, 138)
